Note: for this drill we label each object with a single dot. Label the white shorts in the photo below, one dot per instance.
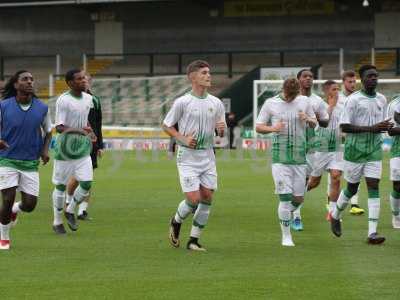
(195, 168)
(325, 161)
(354, 171)
(27, 182)
(289, 179)
(81, 169)
(309, 160)
(395, 169)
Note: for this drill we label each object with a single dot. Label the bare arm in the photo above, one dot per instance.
(45, 151)
(264, 129)
(188, 141)
(395, 130)
(62, 128)
(349, 128)
(323, 123)
(377, 128)
(311, 122)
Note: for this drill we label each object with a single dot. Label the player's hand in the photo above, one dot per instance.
(190, 141)
(100, 152)
(3, 145)
(279, 126)
(89, 132)
(382, 126)
(88, 129)
(220, 126)
(303, 116)
(45, 157)
(333, 99)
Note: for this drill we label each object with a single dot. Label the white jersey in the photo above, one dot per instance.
(329, 139)
(319, 106)
(342, 98)
(289, 145)
(72, 111)
(198, 117)
(363, 110)
(394, 106)
(320, 109)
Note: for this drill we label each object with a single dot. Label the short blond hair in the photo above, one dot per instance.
(347, 74)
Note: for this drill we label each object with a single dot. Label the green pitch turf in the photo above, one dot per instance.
(123, 253)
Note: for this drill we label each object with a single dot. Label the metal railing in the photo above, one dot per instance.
(26, 60)
(227, 62)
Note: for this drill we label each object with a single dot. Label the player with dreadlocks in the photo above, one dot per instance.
(23, 120)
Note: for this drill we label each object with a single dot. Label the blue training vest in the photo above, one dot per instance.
(22, 129)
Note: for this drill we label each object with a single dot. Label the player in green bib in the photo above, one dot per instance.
(73, 147)
(363, 120)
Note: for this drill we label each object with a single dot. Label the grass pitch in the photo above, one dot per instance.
(123, 253)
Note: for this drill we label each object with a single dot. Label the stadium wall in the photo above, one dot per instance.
(69, 30)
(66, 30)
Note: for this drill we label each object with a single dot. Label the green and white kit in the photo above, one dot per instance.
(72, 150)
(197, 117)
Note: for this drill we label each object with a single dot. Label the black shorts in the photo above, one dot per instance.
(93, 156)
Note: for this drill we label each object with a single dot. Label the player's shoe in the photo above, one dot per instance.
(287, 241)
(4, 244)
(14, 219)
(84, 216)
(59, 229)
(297, 224)
(375, 239)
(193, 245)
(336, 226)
(396, 222)
(174, 230)
(356, 210)
(71, 221)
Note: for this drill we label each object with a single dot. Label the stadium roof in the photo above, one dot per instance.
(17, 3)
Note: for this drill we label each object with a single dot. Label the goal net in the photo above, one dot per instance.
(135, 102)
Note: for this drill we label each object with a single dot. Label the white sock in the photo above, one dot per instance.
(79, 195)
(83, 207)
(200, 219)
(184, 209)
(395, 206)
(5, 231)
(71, 207)
(58, 206)
(374, 205)
(297, 212)
(328, 186)
(69, 199)
(16, 208)
(354, 199)
(332, 206)
(341, 205)
(284, 212)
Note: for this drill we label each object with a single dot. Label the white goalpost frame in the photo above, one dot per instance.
(257, 93)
